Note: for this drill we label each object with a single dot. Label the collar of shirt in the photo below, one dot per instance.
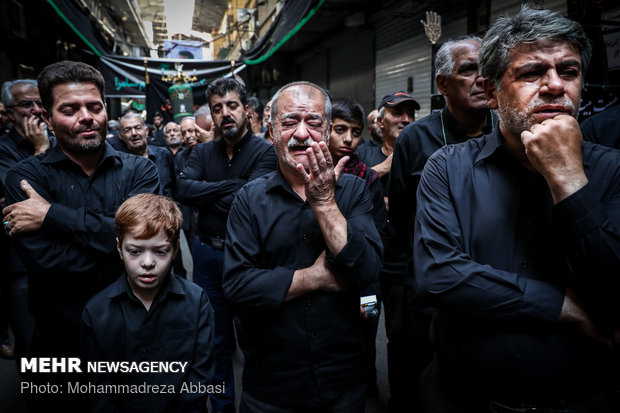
(56, 155)
(153, 152)
(238, 146)
(493, 143)
(453, 127)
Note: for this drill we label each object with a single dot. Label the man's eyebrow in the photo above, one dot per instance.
(541, 65)
(569, 63)
(530, 66)
(297, 115)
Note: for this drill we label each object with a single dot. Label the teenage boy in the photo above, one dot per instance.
(344, 137)
(150, 315)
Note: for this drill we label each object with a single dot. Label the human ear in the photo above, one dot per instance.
(119, 248)
(490, 92)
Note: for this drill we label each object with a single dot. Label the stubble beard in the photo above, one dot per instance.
(516, 122)
(76, 146)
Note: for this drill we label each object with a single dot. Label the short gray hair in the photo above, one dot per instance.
(9, 85)
(273, 113)
(444, 61)
(203, 110)
(130, 115)
(527, 26)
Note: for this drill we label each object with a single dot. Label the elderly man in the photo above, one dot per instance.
(395, 112)
(134, 133)
(517, 236)
(213, 174)
(466, 115)
(173, 138)
(26, 137)
(61, 207)
(189, 132)
(301, 246)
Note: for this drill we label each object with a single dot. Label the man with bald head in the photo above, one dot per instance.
(301, 246)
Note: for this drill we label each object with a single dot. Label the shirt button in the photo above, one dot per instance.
(308, 303)
(524, 264)
(305, 237)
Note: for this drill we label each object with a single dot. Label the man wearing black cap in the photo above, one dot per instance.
(395, 112)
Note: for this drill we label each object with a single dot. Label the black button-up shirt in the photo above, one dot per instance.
(73, 255)
(415, 144)
(13, 149)
(494, 255)
(178, 327)
(210, 179)
(308, 350)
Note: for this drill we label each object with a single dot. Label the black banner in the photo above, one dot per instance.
(125, 77)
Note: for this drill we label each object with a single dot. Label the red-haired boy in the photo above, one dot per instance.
(149, 320)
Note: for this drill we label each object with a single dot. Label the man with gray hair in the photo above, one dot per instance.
(517, 236)
(466, 115)
(28, 136)
(301, 245)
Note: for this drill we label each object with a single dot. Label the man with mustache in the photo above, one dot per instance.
(213, 174)
(60, 213)
(301, 246)
(517, 237)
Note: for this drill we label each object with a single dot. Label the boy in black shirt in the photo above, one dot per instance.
(157, 325)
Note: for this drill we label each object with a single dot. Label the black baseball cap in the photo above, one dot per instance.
(397, 98)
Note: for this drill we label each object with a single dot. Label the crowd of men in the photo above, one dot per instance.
(488, 232)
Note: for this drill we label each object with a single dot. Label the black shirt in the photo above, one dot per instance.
(179, 159)
(178, 327)
(603, 128)
(210, 180)
(415, 144)
(373, 155)
(163, 160)
(308, 350)
(494, 256)
(14, 148)
(73, 255)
